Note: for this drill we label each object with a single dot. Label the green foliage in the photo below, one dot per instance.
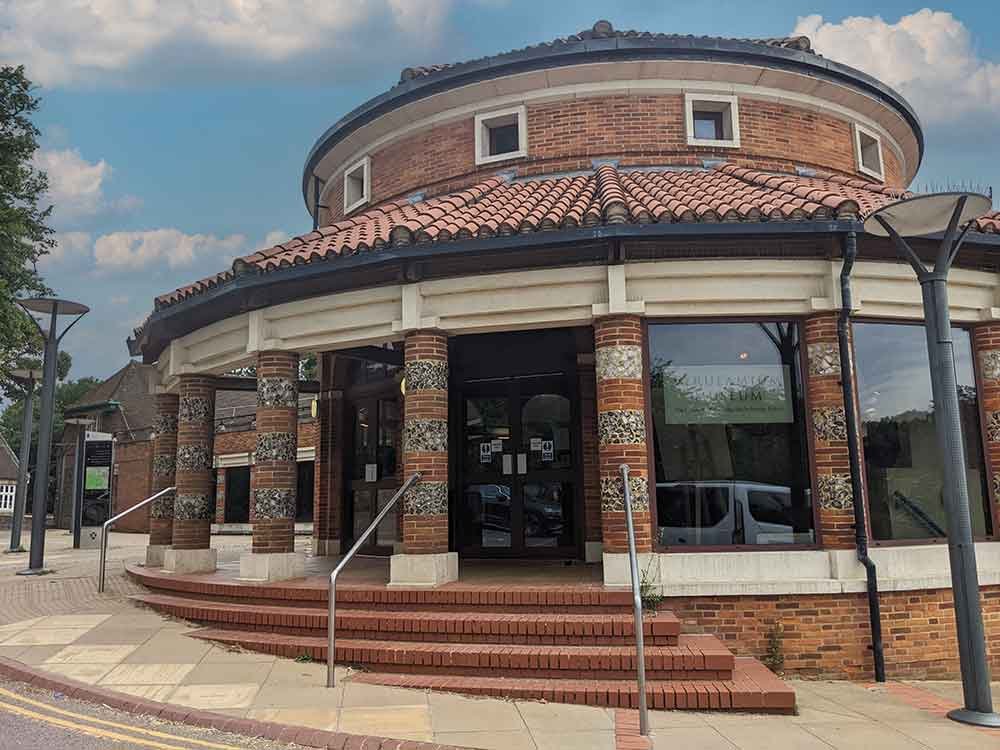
(774, 659)
(303, 659)
(649, 591)
(24, 234)
(67, 394)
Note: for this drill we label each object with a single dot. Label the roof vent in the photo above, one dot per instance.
(712, 163)
(416, 197)
(805, 171)
(507, 175)
(598, 163)
(603, 29)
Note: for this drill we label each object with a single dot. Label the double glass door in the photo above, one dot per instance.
(374, 476)
(518, 468)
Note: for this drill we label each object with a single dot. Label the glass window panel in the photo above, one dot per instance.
(487, 420)
(487, 508)
(388, 437)
(388, 530)
(708, 125)
(548, 520)
(902, 460)
(363, 434)
(728, 421)
(545, 431)
(503, 139)
(364, 511)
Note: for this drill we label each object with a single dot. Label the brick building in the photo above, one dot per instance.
(615, 248)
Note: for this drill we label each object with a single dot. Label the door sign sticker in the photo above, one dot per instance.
(548, 450)
(496, 445)
(536, 444)
(485, 453)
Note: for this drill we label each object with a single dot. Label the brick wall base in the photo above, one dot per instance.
(827, 635)
(425, 534)
(192, 534)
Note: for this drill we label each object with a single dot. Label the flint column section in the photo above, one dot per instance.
(161, 512)
(191, 551)
(425, 560)
(621, 436)
(273, 556)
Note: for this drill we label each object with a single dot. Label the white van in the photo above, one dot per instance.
(723, 513)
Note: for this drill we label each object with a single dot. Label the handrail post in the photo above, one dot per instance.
(633, 562)
(107, 525)
(331, 621)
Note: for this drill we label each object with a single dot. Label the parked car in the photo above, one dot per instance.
(722, 513)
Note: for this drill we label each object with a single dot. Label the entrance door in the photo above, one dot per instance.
(518, 469)
(374, 479)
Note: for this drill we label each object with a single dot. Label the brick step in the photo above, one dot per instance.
(696, 657)
(312, 593)
(752, 688)
(573, 628)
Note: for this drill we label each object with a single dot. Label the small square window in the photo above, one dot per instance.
(868, 145)
(501, 135)
(712, 120)
(357, 184)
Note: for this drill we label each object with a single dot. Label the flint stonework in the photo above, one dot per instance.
(276, 446)
(425, 436)
(613, 493)
(193, 508)
(427, 375)
(824, 359)
(618, 363)
(270, 502)
(835, 492)
(426, 499)
(194, 458)
(621, 427)
(194, 409)
(277, 393)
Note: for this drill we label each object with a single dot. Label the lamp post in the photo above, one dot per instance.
(26, 378)
(79, 469)
(53, 308)
(928, 214)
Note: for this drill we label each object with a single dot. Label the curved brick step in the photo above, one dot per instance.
(312, 592)
(696, 657)
(572, 628)
(752, 688)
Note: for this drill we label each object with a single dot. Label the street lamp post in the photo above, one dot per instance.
(26, 378)
(53, 308)
(916, 217)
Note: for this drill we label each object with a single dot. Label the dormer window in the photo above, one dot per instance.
(357, 185)
(712, 120)
(501, 135)
(868, 146)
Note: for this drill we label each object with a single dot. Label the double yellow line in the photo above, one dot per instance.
(15, 704)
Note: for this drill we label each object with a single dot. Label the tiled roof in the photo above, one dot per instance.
(499, 206)
(8, 461)
(989, 223)
(604, 30)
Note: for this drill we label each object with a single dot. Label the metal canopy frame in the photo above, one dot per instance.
(978, 708)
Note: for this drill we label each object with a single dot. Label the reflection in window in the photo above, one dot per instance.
(729, 440)
(902, 457)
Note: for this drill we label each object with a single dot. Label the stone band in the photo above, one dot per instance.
(276, 446)
(426, 499)
(194, 458)
(425, 436)
(272, 502)
(426, 375)
(621, 427)
(193, 508)
(618, 363)
(277, 393)
(613, 493)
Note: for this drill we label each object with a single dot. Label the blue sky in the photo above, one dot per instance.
(175, 131)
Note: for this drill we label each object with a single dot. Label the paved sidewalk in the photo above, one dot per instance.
(66, 629)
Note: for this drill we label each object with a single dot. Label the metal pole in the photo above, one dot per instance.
(640, 650)
(961, 546)
(38, 505)
(79, 471)
(21, 495)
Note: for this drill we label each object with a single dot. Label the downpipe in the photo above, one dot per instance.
(854, 454)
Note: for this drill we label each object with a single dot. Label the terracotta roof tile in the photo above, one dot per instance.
(608, 195)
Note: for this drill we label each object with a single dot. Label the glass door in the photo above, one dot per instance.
(374, 477)
(518, 469)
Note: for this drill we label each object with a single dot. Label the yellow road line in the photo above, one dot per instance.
(84, 729)
(116, 725)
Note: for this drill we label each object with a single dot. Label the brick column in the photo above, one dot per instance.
(621, 437)
(328, 487)
(425, 559)
(833, 493)
(161, 512)
(986, 345)
(272, 511)
(220, 495)
(191, 550)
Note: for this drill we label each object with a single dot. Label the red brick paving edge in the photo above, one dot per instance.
(316, 738)
(925, 700)
(627, 735)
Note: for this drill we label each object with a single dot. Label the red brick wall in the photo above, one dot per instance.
(621, 410)
(832, 493)
(133, 475)
(827, 635)
(636, 130)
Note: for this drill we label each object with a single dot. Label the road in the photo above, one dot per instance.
(32, 719)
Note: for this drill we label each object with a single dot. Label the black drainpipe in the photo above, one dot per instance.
(317, 187)
(851, 418)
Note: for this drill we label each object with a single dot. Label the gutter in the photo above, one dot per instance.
(854, 454)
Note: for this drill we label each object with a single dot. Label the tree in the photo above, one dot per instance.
(24, 234)
(67, 394)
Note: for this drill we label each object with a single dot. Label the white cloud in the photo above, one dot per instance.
(67, 41)
(155, 249)
(69, 248)
(927, 56)
(275, 237)
(76, 186)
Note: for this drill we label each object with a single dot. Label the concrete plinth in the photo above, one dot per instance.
(617, 573)
(155, 555)
(423, 570)
(183, 561)
(326, 547)
(272, 566)
(90, 537)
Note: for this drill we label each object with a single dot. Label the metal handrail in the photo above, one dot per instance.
(331, 625)
(107, 524)
(633, 563)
